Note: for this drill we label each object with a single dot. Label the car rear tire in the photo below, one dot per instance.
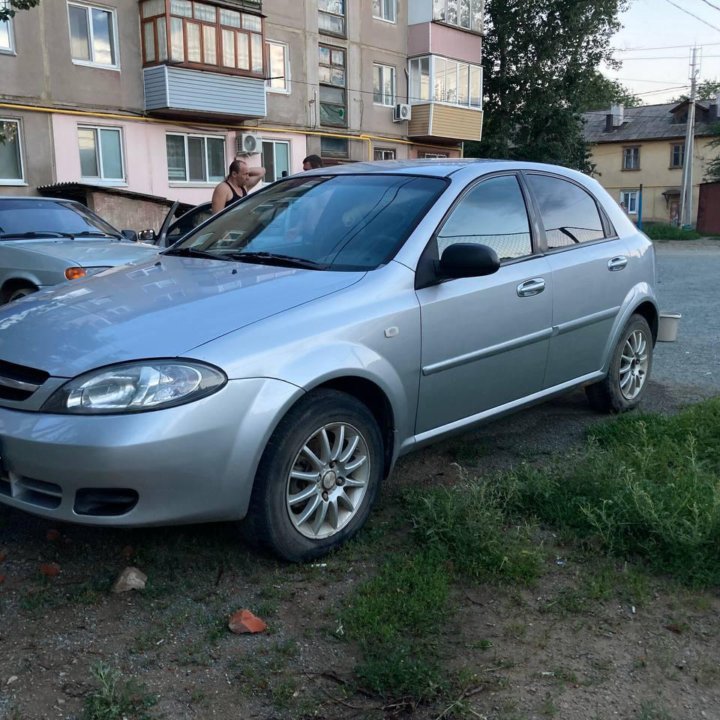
(18, 291)
(626, 382)
(318, 477)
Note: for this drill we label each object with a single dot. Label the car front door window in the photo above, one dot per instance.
(484, 340)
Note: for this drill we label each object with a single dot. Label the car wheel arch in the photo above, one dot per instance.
(14, 284)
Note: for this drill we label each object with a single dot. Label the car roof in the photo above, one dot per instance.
(442, 167)
(36, 198)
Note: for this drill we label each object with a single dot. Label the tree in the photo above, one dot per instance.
(8, 10)
(706, 90)
(540, 69)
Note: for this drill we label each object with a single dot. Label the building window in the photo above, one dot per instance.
(385, 10)
(93, 33)
(333, 96)
(202, 35)
(334, 147)
(677, 155)
(383, 85)
(439, 79)
(7, 43)
(275, 159)
(195, 158)
(384, 154)
(466, 14)
(629, 200)
(11, 165)
(331, 17)
(101, 155)
(631, 158)
(433, 156)
(278, 67)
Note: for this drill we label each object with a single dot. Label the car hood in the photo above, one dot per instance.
(98, 252)
(162, 308)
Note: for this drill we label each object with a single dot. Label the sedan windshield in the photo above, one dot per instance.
(49, 218)
(339, 222)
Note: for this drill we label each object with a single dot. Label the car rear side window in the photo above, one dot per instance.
(492, 213)
(568, 213)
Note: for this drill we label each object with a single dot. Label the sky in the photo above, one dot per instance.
(655, 44)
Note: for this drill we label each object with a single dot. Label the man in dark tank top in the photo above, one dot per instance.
(239, 181)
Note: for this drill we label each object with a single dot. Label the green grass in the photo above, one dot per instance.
(665, 231)
(645, 487)
(115, 699)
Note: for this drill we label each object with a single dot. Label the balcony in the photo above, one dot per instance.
(178, 92)
(432, 122)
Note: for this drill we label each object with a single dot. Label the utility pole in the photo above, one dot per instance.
(686, 197)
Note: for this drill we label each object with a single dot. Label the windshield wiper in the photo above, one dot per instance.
(36, 234)
(194, 252)
(267, 258)
(95, 233)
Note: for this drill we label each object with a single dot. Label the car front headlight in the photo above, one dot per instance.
(75, 273)
(136, 387)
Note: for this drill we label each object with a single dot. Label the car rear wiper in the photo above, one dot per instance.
(267, 258)
(194, 252)
(36, 234)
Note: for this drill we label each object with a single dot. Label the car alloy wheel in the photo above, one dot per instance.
(634, 364)
(328, 480)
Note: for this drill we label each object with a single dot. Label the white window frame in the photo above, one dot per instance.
(275, 143)
(384, 154)
(440, 14)
(387, 8)
(98, 155)
(414, 67)
(385, 102)
(18, 135)
(632, 153)
(10, 49)
(188, 181)
(286, 71)
(116, 44)
(630, 199)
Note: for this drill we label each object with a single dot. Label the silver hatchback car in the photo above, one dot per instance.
(276, 362)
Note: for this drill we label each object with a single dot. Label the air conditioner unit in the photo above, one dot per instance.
(402, 112)
(248, 144)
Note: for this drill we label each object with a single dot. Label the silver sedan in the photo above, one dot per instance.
(276, 362)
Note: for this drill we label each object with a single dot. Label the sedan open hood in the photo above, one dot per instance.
(96, 252)
(162, 308)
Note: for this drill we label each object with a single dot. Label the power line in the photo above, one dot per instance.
(712, 5)
(697, 17)
(663, 47)
(664, 57)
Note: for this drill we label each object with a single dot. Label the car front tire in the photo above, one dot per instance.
(318, 477)
(626, 382)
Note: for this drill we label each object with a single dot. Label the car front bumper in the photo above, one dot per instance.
(191, 463)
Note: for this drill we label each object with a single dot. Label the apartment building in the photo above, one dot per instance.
(152, 99)
(644, 147)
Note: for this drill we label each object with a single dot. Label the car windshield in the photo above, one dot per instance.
(343, 222)
(56, 219)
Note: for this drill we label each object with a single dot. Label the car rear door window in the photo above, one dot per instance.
(492, 213)
(568, 213)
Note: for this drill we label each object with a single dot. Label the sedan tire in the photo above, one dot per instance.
(318, 477)
(626, 382)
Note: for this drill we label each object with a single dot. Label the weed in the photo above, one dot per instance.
(645, 486)
(651, 711)
(115, 699)
(665, 231)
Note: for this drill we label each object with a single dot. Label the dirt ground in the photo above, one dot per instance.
(643, 650)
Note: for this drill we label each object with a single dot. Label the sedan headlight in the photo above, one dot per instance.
(136, 387)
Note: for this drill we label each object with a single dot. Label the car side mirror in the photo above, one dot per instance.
(468, 260)
(147, 236)
(129, 235)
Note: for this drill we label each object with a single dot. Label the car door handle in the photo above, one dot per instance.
(617, 263)
(531, 287)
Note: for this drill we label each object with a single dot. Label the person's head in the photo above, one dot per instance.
(311, 162)
(238, 172)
